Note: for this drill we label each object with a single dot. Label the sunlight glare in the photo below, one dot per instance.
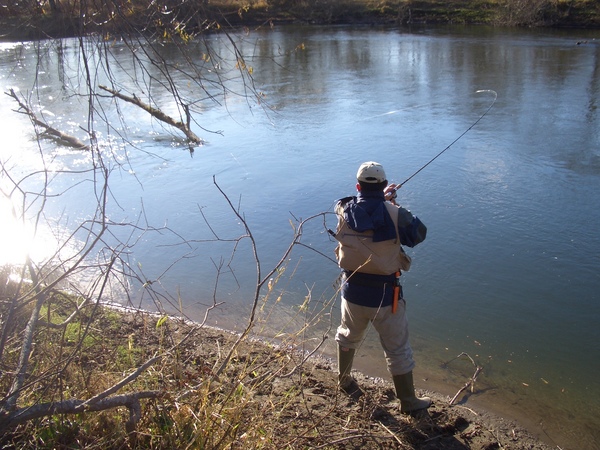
(18, 239)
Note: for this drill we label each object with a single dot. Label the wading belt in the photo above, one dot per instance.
(376, 281)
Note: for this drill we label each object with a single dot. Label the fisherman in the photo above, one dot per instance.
(371, 231)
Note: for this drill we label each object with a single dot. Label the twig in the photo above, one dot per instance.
(392, 433)
(305, 358)
(471, 381)
(260, 279)
(344, 439)
(468, 409)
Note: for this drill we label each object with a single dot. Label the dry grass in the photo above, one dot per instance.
(269, 395)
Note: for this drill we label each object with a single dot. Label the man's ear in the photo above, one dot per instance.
(358, 187)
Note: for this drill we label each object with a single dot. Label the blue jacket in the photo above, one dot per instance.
(367, 211)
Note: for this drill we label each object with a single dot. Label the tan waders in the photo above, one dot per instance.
(405, 391)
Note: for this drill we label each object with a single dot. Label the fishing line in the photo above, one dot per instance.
(455, 140)
(395, 111)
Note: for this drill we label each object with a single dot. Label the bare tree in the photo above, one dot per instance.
(94, 247)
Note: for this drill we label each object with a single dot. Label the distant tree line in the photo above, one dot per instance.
(185, 17)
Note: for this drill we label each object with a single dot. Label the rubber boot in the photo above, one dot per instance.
(345, 357)
(405, 391)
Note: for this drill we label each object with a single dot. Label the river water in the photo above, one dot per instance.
(509, 271)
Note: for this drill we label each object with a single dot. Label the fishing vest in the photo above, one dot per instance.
(356, 251)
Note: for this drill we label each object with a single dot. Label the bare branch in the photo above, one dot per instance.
(123, 382)
(260, 281)
(69, 140)
(74, 406)
(26, 348)
(471, 382)
(158, 114)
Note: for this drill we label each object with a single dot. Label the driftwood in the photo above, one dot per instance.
(69, 140)
(158, 114)
(471, 382)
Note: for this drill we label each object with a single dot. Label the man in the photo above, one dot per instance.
(371, 231)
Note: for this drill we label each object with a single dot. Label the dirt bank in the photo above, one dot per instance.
(296, 404)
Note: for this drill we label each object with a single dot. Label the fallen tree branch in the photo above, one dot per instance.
(157, 114)
(69, 140)
(99, 402)
(471, 382)
(74, 406)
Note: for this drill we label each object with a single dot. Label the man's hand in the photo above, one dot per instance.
(390, 192)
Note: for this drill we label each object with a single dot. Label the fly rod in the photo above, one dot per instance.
(453, 142)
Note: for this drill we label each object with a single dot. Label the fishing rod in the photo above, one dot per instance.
(393, 192)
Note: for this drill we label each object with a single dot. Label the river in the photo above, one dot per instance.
(509, 271)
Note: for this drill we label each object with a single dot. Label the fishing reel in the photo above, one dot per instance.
(392, 192)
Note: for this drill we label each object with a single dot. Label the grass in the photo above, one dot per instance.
(78, 356)
(94, 352)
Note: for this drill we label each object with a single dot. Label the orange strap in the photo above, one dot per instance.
(396, 293)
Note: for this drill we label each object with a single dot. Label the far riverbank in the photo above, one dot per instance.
(185, 20)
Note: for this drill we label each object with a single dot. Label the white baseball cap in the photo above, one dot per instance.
(371, 172)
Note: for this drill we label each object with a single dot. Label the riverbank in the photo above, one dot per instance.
(186, 20)
(265, 396)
